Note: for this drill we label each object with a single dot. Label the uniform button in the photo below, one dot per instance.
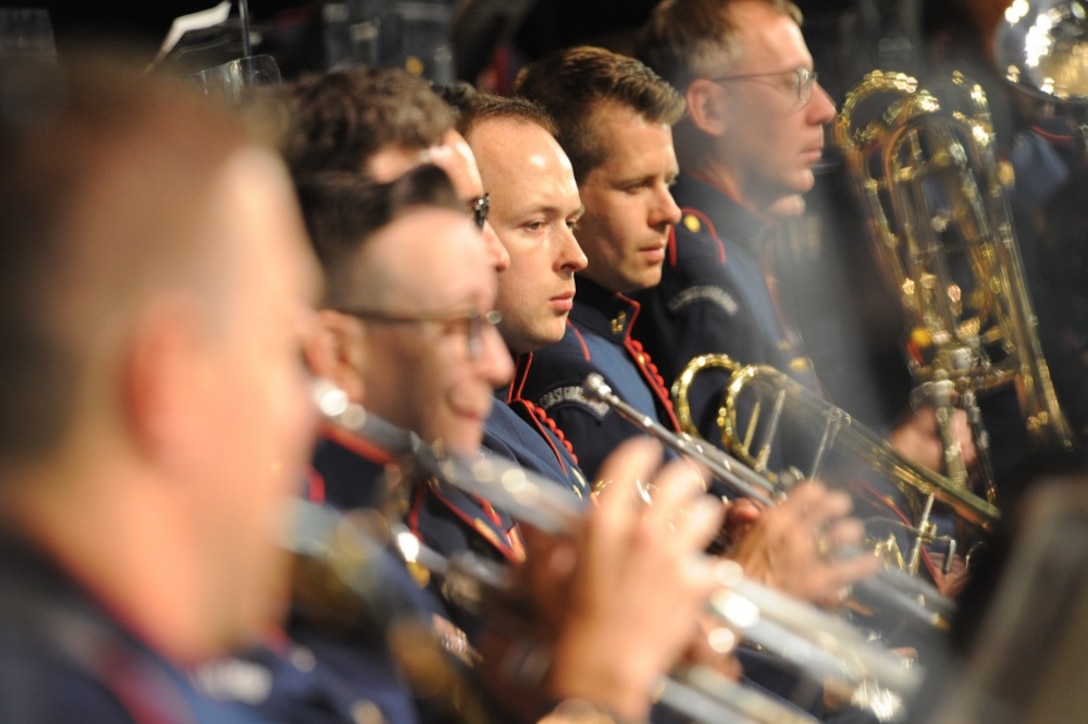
(691, 223)
(303, 659)
(365, 711)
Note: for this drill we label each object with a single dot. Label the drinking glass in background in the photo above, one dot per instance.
(26, 33)
(231, 79)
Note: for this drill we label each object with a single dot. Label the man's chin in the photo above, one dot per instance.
(788, 206)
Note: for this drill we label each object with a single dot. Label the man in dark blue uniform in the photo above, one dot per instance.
(378, 124)
(753, 131)
(432, 371)
(535, 314)
(613, 116)
(143, 494)
(624, 241)
(534, 206)
(356, 226)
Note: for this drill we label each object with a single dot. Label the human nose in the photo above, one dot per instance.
(665, 211)
(571, 257)
(820, 108)
(496, 252)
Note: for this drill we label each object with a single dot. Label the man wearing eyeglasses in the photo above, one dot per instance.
(754, 129)
(379, 123)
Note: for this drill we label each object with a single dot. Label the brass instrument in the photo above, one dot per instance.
(822, 644)
(912, 600)
(842, 440)
(1042, 47)
(923, 162)
(844, 450)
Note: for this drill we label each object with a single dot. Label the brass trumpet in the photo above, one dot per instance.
(911, 599)
(820, 643)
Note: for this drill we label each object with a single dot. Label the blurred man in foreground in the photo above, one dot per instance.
(155, 406)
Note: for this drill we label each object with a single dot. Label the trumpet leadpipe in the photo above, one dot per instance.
(710, 697)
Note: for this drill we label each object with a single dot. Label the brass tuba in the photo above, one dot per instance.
(923, 162)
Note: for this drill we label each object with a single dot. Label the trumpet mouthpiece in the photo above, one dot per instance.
(595, 386)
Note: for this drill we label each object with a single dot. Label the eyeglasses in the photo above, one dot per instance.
(803, 80)
(473, 319)
(480, 207)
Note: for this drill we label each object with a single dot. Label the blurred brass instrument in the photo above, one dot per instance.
(923, 162)
(1041, 46)
(824, 645)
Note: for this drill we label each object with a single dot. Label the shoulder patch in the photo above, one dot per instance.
(571, 394)
(691, 223)
(235, 679)
(704, 293)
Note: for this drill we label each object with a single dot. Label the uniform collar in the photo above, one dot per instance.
(731, 219)
(606, 313)
(363, 448)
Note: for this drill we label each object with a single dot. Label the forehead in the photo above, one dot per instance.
(393, 161)
(432, 258)
(770, 40)
(523, 166)
(455, 158)
(259, 220)
(633, 145)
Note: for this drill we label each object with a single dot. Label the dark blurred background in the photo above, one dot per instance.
(829, 283)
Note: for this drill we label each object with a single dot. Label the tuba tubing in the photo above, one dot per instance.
(924, 166)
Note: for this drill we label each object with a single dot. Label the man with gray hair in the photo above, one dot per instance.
(754, 129)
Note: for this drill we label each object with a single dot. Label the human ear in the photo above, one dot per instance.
(163, 375)
(706, 105)
(336, 353)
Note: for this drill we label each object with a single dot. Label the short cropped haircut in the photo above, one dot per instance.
(107, 178)
(688, 39)
(572, 84)
(342, 211)
(337, 121)
(459, 96)
(488, 107)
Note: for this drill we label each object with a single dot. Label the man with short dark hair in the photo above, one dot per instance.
(617, 133)
(754, 129)
(537, 213)
(379, 123)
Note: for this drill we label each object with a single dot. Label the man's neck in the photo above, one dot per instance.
(720, 177)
